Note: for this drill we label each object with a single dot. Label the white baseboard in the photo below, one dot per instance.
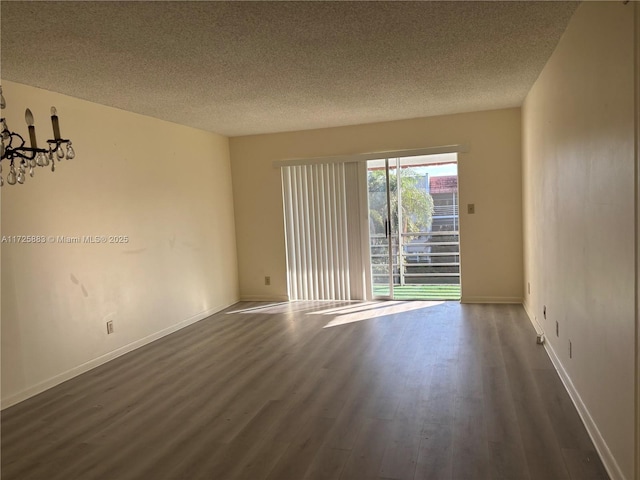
(466, 299)
(608, 460)
(96, 362)
(264, 298)
(533, 318)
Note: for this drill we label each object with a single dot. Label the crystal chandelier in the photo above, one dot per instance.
(22, 158)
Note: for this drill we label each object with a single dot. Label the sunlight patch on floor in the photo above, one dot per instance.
(294, 306)
(374, 310)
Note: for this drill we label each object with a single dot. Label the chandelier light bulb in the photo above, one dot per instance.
(20, 177)
(55, 123)
(28, 117)
(60, 152)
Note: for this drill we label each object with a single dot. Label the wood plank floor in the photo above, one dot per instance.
(395, 390)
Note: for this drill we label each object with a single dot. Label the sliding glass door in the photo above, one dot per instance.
(413, 227)
(380, 229)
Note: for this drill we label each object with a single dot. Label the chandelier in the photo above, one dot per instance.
(23, 159)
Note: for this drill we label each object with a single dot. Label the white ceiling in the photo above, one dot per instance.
(239, 68)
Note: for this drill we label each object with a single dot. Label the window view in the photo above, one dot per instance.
(413, 227)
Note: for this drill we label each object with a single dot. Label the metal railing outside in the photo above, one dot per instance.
(445, 210)
(423, 258)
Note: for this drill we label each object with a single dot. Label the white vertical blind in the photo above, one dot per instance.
(355, 229)
(319, 205)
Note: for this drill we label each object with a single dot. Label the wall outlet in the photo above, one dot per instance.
(267, 280)
(109, 327)
(471, 208)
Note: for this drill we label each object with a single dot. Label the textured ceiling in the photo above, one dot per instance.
(240, 68)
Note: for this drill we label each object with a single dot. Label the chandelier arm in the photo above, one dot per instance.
(20, 151)
(25, 153)
(60, 141)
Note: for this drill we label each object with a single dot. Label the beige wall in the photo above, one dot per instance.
(578, 170)
(165, 186)
(489, 175)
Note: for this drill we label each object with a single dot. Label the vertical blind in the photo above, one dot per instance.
(319, 205)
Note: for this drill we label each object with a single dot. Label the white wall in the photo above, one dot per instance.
(489, 176)
(165, 186)
(578, 191)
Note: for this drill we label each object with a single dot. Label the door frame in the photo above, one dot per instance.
(361, 159)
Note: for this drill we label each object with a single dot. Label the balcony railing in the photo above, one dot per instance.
(445, 210)
(417, 258)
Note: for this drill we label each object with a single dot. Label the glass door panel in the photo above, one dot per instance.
(395, 218)
(429, 238)
(380, 240)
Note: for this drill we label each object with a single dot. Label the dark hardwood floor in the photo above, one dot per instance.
(396, 390)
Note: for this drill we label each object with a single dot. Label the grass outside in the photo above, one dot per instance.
(420, 292)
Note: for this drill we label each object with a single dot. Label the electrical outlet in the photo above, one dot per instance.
(267, 280)
(109, 327)
(471, 208)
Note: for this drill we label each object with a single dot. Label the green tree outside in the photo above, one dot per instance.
(417, 204)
